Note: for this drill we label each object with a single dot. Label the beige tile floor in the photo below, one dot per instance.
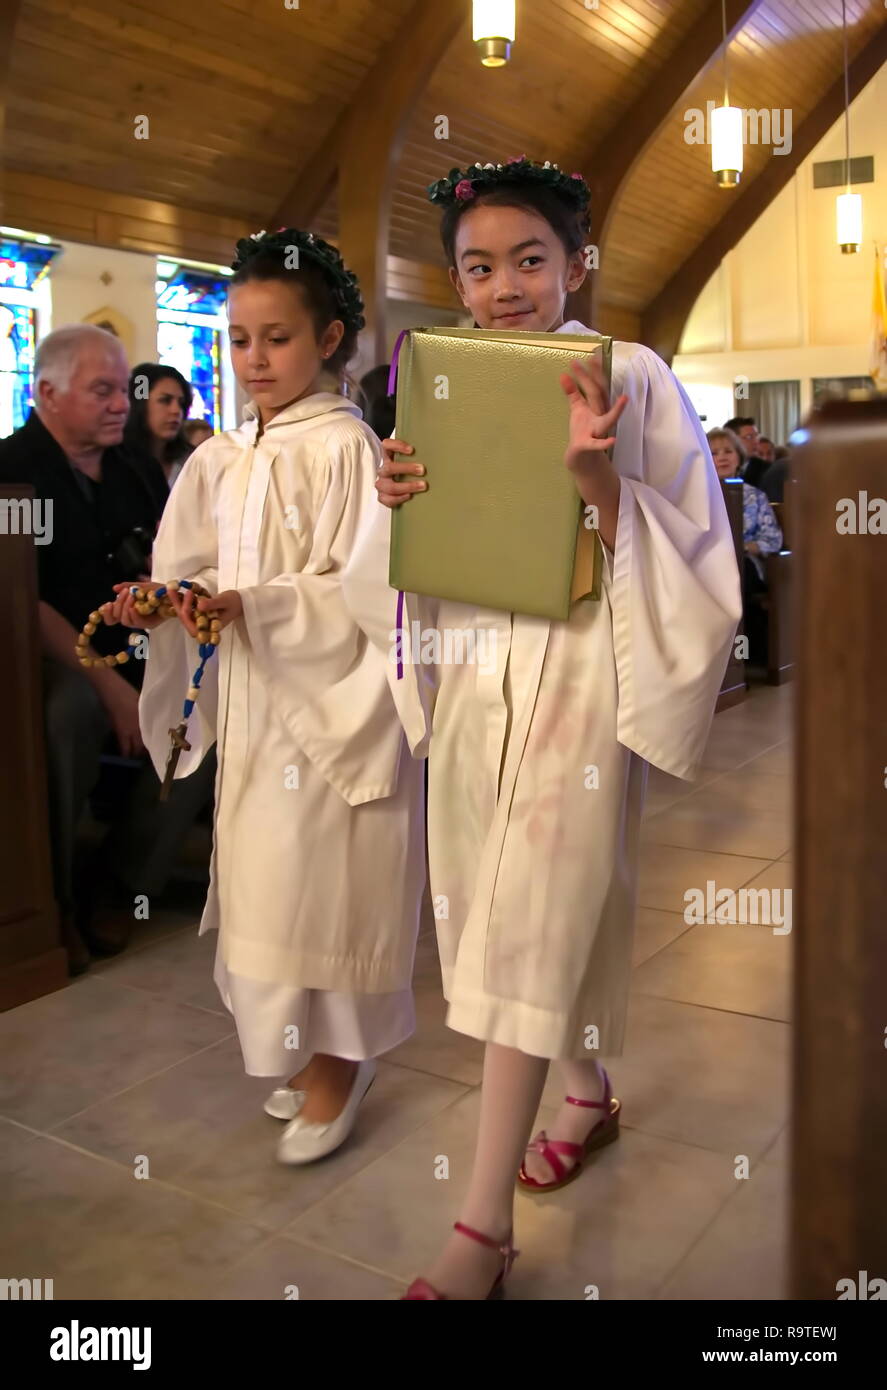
(137, 1064)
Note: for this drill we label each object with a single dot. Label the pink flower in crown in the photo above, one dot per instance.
(516, 159)
(575, 176)
(464, 190)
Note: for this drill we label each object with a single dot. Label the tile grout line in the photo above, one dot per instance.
(164, 998)
(152, 1076)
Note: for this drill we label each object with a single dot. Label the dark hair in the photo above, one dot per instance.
(377, 406)
(136, 435)
(318, 296)
(569, 222)
(738, 421)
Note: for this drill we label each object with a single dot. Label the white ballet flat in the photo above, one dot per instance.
(304, 1142)
(284, 1103)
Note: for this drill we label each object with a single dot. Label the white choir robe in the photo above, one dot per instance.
(537, 768)
(318, 864)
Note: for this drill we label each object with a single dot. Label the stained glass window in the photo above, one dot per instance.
(194, 351)
(190, 317)
(23, 265)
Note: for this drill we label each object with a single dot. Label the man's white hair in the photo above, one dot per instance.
(57, 354)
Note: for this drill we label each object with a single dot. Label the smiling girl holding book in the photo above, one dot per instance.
(538, 863)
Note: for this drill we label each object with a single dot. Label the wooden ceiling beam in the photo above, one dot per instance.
(611, 158)
(662, 322)
(9, 14)
(363, 151)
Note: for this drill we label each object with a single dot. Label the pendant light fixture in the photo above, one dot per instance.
(726, 129)
(493, 24)
(849, 205)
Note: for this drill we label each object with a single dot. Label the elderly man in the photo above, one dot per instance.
(103, 523)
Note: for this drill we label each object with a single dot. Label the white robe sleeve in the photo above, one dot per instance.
(674, 583)
(185, 548)
(328, 683)
(374, 604)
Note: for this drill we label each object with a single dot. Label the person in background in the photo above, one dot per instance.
(375, 402)
(746, 430)
(773, 481)
(104, 518)
(197, 432)
(766, 449)
(154, 437)
(761, 536)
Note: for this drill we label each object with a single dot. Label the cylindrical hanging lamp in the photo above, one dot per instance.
(493, 27)
(726, 129)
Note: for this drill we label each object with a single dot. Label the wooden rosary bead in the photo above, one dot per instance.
(147, 603)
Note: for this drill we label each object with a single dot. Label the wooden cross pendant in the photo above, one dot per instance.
(178, 743)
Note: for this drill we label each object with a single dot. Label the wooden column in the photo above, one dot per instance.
(839, 1156)
(32, 960)
(9, 13)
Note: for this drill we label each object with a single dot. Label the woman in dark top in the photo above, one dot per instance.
(154, 438)
(376, 404)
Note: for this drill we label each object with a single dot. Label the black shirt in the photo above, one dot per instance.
(93, 544)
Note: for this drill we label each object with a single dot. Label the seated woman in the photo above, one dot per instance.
(761, 536)
(159, 401)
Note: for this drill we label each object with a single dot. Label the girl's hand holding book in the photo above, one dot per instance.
(592, 418)
(391, 493)
(592, 422)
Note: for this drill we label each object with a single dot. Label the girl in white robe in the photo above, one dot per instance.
(318, 865)
(537, 769)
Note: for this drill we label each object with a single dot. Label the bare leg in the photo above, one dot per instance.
(574, 1123)
(327, 1081)
(512, 1087)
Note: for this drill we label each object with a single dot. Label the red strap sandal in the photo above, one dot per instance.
(604, 1132)
(421, 1289)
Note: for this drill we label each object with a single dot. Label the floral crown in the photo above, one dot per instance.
(461, 187)
(342, 281)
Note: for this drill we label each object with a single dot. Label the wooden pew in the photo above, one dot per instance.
(734, 686)
(839, 1143)
(780, 568)
(32, 959)
(780, 656)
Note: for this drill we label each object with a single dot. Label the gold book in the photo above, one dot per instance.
(502, 525)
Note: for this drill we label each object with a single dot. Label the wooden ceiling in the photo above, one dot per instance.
(249, 104)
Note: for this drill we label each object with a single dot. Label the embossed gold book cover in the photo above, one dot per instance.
(501, 525)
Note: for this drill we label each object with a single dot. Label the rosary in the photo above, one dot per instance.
(156, 601)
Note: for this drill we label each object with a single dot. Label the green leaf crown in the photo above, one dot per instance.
(343, 282)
